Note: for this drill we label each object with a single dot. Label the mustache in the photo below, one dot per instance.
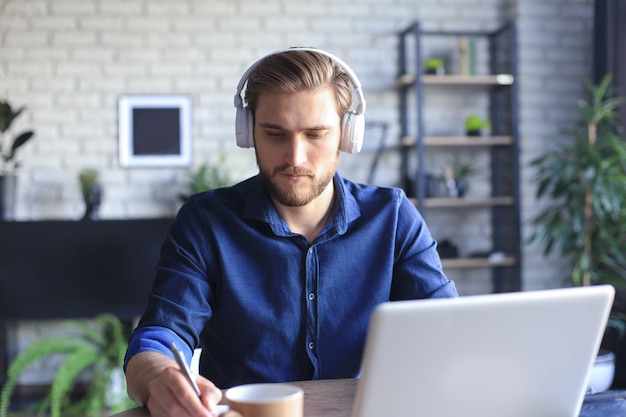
(290, 170)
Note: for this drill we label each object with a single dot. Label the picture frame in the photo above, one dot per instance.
(154, 131)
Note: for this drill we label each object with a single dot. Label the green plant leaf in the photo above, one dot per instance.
(100, 348)
(585, 183)
(75, 363)
(8, 115)
(30, 355)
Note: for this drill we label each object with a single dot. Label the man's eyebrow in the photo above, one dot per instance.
(268, 125)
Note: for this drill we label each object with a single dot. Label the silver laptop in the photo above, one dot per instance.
(524, 354)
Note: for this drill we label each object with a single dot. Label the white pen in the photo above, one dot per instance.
(180, 359)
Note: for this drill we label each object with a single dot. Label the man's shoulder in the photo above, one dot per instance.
(371, 193)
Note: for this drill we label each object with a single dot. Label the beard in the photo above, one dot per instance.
(297, 193)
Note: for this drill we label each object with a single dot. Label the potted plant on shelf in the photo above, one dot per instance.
(100, 349)
(456, 175)
(585, 182)
(9, 145)
(434, 66)
(91, 190)
(474, 125)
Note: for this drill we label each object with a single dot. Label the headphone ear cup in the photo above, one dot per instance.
(352, 132)
(244, 127)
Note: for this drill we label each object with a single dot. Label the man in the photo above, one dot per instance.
(276, 277)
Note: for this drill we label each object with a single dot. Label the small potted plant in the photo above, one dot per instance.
(456, 178)
(100, 348)
(434, 66)
(474, 125)
(91, 190)
(9, 145)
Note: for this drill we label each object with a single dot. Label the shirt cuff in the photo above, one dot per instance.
(155, 339)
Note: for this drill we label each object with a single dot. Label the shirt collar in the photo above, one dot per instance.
(259, 206)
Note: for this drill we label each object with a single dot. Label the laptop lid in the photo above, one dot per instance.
(523, 354)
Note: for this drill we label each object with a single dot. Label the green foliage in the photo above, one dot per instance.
(87, 177)
(475, 123)
(9, 149)
(585, 184)
(208, 177)
(463, 170)
(433, 63)
(100, 349)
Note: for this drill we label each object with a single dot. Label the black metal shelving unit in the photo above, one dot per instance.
(501, 87)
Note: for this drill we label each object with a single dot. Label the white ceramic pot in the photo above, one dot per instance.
(603, 371)
(115, 389)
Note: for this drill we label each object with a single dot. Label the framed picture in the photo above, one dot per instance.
(154, 131)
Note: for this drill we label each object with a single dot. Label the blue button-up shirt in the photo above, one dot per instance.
(264, 303)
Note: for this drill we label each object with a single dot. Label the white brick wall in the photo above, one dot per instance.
(69, 60)
(555, 52)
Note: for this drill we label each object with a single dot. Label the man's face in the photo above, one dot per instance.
(296, 139)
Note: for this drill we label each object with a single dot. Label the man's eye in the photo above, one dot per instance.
(316, 135)
(274, 134)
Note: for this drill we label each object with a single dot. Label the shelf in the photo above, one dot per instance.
(467, 140)
(476, 262)
(454, 141)
(443, 202)
(458, 80)
(422, 140)
(443, 141)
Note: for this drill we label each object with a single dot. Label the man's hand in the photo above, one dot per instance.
(156, 381)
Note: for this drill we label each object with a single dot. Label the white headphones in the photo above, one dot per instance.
(352, 126)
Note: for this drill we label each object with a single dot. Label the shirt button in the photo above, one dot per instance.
(312, 296)
(311, 345)
(310, 251)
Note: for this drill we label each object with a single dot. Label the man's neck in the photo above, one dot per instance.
(310, 219)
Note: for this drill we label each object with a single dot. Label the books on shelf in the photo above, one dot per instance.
(467, 56)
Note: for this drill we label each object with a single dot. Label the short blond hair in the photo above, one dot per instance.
(292, 71)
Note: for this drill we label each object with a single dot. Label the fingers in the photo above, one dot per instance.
(171, 395)
(211, 395)
(231, 413)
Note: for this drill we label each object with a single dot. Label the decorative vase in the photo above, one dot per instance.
(115, 391)
(8, 196)
(92, 198)
(457, 188)
(603, 371)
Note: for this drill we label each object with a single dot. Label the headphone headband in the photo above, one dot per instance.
(353, 122)
(360, 109)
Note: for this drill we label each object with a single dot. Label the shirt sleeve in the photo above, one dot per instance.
(418, 272)
(181, 294)
(155, 339)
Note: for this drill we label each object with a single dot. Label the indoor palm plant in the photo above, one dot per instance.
(585, 182)
(9, 145)
(99, 349)
(585, 220)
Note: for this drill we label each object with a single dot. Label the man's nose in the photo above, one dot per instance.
(296, 154)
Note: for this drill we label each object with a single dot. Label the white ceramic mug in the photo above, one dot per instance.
(266, 400)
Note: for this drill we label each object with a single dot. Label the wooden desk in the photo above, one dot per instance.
(335, 398)
(325, 398)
